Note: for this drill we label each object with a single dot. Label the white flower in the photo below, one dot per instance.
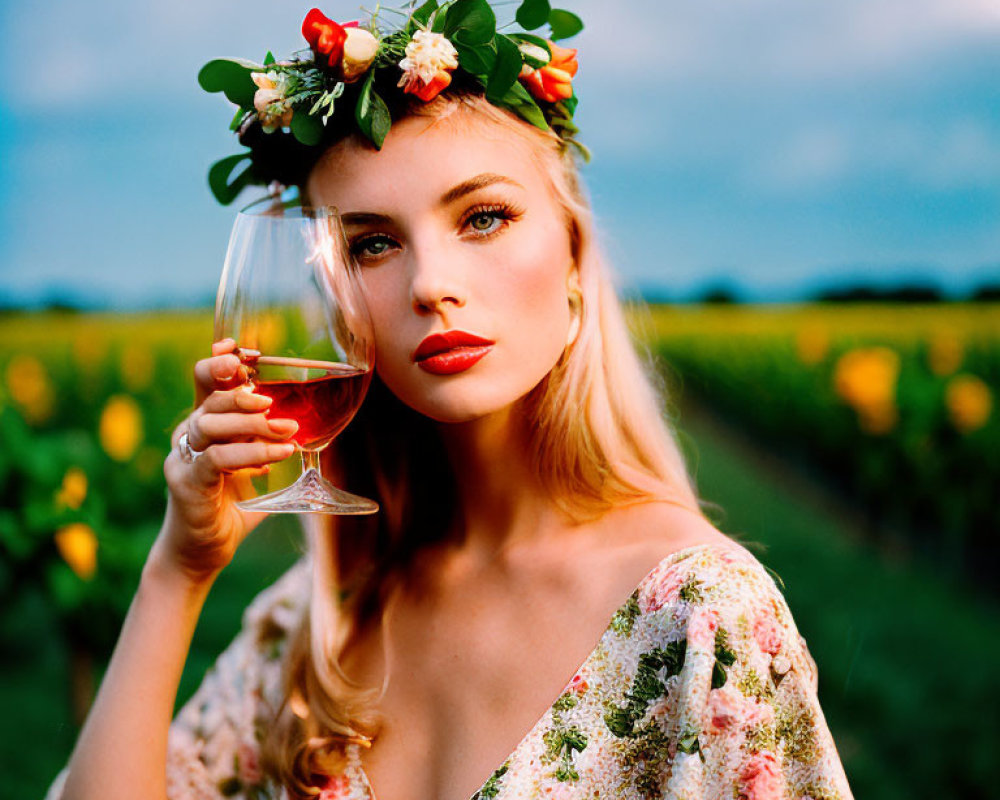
(273, 109)
(427, 54)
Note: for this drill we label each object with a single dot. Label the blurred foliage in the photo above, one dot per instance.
(87, 405)
(897, 408)
(895, 405)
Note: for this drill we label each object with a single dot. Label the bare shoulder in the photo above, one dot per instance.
(650, 532)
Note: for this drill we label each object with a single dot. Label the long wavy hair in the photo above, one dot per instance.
(600, 439)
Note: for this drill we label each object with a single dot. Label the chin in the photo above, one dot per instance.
(458, 399)
(450, 405)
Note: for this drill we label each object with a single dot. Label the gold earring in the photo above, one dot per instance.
(574, 295)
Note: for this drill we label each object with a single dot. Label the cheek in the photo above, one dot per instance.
(387, 307)
(530, 285)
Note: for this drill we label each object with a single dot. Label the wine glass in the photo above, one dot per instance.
(291, 298)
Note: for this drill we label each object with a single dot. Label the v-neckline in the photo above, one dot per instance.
(355, 759)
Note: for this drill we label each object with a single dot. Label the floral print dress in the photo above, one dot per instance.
(700, 688)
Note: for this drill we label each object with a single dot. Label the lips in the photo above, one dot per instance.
(451, 352)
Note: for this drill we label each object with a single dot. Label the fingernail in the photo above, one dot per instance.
(221, 345)
(229, 369)
(249, 400)
(283, 426)
(283, 450)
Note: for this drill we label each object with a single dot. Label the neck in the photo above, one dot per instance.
(501, 503)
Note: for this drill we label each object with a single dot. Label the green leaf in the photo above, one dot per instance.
(619, 722)
(422, 15)
(382, 120)
(646, 685)
(478, 60)
(719, 676)
(575, 739)
(505, 69)
(231, 76)
(224, 189)
(439, 20)
(269, 58)
(470, 22)
(372, 114)
(237, 118)
(533, 14)
(570, 104)
(523, 104)
(564, 24)
(688, 742)
(306, 128)
(534, 49)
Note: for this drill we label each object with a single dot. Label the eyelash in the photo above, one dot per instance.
(504, 211)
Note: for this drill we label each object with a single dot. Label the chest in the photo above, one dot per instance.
(471, 675)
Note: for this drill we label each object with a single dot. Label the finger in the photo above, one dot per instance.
(225, 400)
(220, 402)
(218, 372)
(220, 458)
(208, 429)
(223, 346)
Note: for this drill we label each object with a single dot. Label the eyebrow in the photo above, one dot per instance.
(473, 184)
(365, 218)
(453, 194)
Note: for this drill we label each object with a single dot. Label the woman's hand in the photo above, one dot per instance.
(203, 526)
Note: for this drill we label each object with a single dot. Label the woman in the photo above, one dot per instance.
(540, 608)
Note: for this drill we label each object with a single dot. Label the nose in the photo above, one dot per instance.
(436, 281)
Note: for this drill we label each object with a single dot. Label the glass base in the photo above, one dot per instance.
(310, 494)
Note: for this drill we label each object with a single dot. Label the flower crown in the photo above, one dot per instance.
(288, 109)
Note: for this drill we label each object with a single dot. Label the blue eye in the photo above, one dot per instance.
(485, 221)
(371, 246)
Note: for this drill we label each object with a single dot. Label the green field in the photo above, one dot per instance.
(905, 651)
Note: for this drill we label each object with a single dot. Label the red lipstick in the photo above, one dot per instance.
(450, 352)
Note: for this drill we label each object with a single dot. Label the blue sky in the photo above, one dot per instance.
(774, 144)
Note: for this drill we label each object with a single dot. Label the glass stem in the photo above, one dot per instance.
(310, 460)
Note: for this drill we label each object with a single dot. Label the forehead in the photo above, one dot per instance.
(421, 159)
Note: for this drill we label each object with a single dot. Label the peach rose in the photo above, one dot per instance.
(249, 764)
(767, 632)
(762, 778)
(661, 589)
(702, 625)
(360, 47)
(337, 788)
(577, 684)
(756, 713)
(554, 81)
(723, 710)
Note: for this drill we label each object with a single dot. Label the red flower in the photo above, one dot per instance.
(325, 37)
(554, 81)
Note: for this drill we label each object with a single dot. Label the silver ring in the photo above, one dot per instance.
(184, 449)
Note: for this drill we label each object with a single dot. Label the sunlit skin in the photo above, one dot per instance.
(495, 262)
(455, 227)
(460, 231)
(490, 259)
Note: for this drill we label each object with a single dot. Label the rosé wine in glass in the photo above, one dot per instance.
(292, 300)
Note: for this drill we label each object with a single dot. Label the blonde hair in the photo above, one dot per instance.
(600, 440)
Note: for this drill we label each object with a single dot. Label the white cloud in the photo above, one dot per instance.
(735, 41)
(812, 157)
(123, 49)
(965, 154)
(958, 154)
